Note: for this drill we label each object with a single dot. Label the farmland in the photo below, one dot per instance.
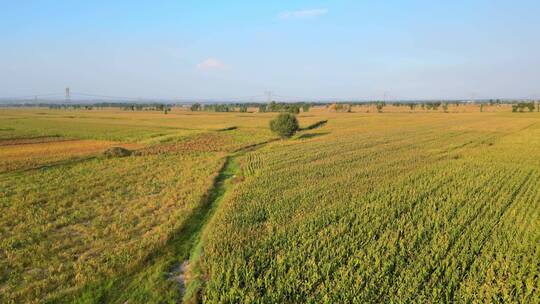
(400, 206)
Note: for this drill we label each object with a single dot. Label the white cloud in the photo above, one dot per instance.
(303, 14)
(210, 64)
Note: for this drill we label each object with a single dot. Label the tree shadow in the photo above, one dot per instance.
(316, 125)
(312, 135)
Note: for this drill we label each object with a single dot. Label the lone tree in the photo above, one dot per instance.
(284, 125)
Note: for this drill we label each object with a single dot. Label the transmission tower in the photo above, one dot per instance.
(67, 96)
(268, 95)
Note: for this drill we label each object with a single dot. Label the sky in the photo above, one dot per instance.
(298, 49)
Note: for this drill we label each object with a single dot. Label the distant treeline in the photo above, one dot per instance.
(290, 107)
(125, 106)
(96, 105)
(262, 107)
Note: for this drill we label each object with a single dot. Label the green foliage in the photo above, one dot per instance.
(293, 109)
(433, 106)
(380, 106)
(445, 107)
(221, 108)
(280, 107)
(305, 107)
(273, 107)
(196, 107)
(520, 107)
(284, 125)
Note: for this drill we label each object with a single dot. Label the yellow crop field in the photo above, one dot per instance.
(367, 206)
(384, 208)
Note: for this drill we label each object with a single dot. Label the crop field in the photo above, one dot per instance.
(74, 222)
(400, 206)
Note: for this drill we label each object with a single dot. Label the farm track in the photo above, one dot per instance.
(187, 273)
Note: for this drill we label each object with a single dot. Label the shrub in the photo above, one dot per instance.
(284, 125)
(117, 152)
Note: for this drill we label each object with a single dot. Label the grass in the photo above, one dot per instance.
(367, 207)
(195, 281)
(81, 227)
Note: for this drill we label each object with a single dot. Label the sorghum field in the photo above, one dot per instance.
(400, 206)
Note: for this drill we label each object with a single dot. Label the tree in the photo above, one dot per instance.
(196, 107)
(272, 107)
(305, 107)
(380, 106)
(262, 108)
(293, 109)
(284, 125)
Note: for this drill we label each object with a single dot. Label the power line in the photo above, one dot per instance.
(69, 95)
(105, 96)
(31, 96)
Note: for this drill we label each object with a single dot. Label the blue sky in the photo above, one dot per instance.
(311, 49)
